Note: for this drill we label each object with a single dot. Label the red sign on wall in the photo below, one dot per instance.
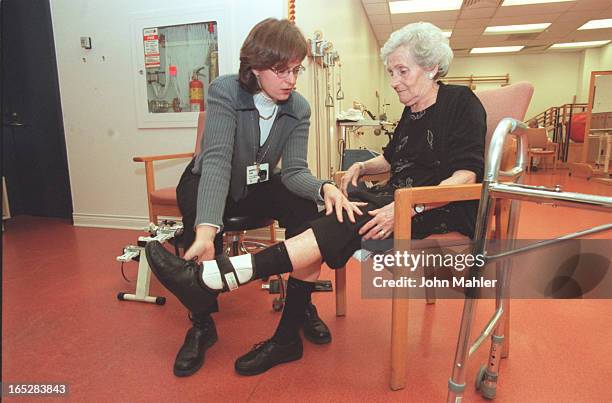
(151, 47)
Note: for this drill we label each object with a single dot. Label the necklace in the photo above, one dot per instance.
(270, 115)
(417, 115)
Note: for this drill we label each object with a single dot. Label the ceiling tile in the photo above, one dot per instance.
(503, 40)
(379, 19)
(590, 35)
(461, 53)
(429, 17)
(477, 23)
(382, 29)
(468, 24)
(468, 31)
(525, 19)
(549, 8)
(471, 13)
(376, 9)
(585, 5)
(562, 28)
(465, 42)
(584, 15)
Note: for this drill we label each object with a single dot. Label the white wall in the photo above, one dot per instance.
(344, 23)
(97, 95)
(605, 61)
(554, 75)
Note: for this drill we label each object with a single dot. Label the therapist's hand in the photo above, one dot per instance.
(204, 245)
(336, 201)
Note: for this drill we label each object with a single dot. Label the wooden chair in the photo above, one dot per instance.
(162, 201)
(540, 146)
(510, 101)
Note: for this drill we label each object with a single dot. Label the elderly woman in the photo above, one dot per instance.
(438, 141)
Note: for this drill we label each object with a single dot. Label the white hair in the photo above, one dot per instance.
(425, 42)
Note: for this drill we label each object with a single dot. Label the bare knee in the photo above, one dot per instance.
(309, 273)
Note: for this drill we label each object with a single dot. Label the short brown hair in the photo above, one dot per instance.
(271, 43)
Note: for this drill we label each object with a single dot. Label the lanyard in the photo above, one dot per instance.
(258, 158)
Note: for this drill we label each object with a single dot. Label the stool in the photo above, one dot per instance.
(234, 230)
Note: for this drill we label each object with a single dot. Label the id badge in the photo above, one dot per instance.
(257, 173)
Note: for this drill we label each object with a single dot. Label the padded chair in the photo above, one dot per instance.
(162, 201)
(510, 101)
(540, 146)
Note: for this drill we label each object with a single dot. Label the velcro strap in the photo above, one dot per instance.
(228, 274)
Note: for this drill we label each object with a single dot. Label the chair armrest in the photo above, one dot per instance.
(149, 168)
(406, 198)
(162, 157)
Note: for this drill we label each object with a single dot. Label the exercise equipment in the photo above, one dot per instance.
(162, 233)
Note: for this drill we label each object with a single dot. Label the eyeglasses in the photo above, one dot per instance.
(283, 74)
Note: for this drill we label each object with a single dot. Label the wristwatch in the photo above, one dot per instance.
(419, 208)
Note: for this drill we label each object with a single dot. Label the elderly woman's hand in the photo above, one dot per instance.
(335, 200)
(381, 226)
(351, 176)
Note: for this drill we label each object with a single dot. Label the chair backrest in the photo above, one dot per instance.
(537, 137)
(511, 101)
(200, 131)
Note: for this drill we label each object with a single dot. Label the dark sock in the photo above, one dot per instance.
(298, 293)
(200, 320)
(271, 261)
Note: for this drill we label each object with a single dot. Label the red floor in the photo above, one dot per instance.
(63, 323)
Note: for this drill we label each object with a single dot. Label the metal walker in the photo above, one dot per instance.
(492, 190)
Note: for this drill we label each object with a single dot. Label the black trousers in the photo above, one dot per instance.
(269, 199)
(338, 241)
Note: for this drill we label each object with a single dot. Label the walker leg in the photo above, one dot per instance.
(456, 383)
(486, 380)
(506, 346)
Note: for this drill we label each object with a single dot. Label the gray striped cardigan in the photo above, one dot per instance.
(231, 143)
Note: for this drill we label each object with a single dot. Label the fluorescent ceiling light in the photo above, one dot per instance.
(570, 45)
(422, 6)
(497, 49)
(517, 29)
(597, 24)
(526, 2)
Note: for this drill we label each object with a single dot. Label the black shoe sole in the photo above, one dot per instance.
(264, 369)
(317, 340)
(181, 373)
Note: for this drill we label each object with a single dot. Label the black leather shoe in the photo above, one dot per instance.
(315, 330)
(181, 277)
(200, 337)
(267, 354)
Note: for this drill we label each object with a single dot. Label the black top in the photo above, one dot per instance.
(429, 146)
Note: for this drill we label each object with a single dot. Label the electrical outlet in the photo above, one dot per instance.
(86, 42)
